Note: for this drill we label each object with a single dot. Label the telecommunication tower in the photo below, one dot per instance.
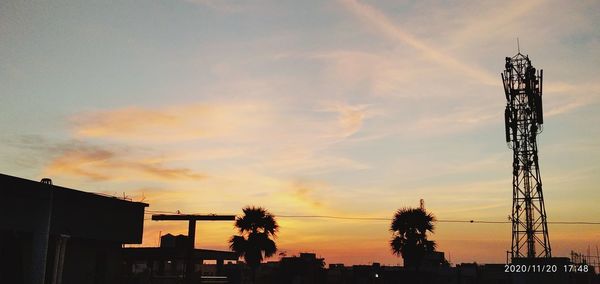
(523, 120)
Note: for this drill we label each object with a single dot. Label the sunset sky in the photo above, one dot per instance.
(344, 108)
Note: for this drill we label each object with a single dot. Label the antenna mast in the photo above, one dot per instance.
(523, 120)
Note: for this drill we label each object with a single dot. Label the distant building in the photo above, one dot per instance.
(167, 263)
(306, 268)
(303, 269)
(434, 259)
(53, 234)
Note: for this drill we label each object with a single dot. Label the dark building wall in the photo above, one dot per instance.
(92, 226)
(23, 203)
(96, 217)
(14, 251)
(76, 213)
(102, 262)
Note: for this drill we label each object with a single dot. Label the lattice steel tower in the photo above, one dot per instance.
(523, 119)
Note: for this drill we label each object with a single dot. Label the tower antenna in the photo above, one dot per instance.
(518, 47)
(523, 119)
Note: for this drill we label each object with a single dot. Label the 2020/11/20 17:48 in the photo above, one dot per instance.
(544, 268)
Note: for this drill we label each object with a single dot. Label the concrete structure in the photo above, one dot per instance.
(191, 219)
(52, 234)
(168, 263)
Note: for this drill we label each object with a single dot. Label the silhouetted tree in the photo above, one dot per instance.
(254, 243)
(409, 227)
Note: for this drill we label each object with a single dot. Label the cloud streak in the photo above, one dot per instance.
(489, 23)
(170, 124)
(567, 97)
(99, 164)
(391, 31)
(274, 138)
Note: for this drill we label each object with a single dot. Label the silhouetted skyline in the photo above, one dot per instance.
(343, 108)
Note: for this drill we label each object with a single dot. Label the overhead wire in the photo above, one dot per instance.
(388, 219)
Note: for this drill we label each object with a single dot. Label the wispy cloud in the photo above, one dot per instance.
(306, 161)
(221, 5)
(268, 139)
(100, 164)
(455, 120)
(171, 123)
(566, 97)
(379, 73)
(488, 22)
(386, 27)
(350, 117)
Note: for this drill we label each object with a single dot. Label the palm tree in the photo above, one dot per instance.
(409, 228)
(254, 243)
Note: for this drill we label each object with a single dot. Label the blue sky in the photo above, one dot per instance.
(352, 108)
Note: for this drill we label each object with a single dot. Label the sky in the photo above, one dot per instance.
(344, 108)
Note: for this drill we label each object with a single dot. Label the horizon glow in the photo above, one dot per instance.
(344, 108)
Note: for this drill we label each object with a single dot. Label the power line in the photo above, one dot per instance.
(574, 223)
(474, 221)
(159, 211)
(335, 217)
(440, 221)
(388, 219)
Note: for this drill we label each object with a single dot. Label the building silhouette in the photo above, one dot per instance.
(56, 235)
(53, 234)
(167, 263)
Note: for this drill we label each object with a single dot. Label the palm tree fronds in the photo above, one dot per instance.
(256, 227)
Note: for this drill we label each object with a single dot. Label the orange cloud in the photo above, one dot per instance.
(280, 139)
(124, 121)
(101, 164)
(170, 124)
(350, 118)
(305, 192)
